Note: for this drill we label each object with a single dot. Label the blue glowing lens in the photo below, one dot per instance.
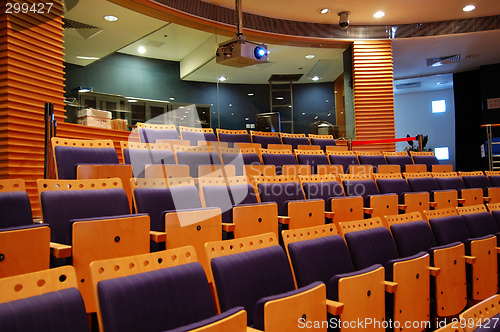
(259, 52)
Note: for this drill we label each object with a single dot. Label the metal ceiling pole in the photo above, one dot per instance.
(239, 18)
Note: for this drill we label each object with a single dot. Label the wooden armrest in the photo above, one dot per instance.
(157, 236)
(487, 199)
(335, 308)
(228, 227)
(432, 204)
(59, 250)
(434, 271)
(390, 287)
(498, 250)
(329, 214)
(368, 210)
(402, 207)
(284, 220)
(461, 200)
(470, 259)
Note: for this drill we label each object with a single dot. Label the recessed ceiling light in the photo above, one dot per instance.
(141, 49)
(469, 8)
(132, 100)
(172, 98)
(280, 98)
(315, 78)
(324, 10)
(111, 18)
(310, 56)
(379, 14)
(87, 57)
(222, 78)
(250, 94)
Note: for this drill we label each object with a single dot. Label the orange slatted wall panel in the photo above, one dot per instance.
(373, 93)
(32, 73)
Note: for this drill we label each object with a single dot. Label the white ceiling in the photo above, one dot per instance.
(196, 49)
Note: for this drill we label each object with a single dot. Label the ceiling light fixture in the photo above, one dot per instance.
(469, 8)
(141, 49)
(222, 78)
(111, 18)
(315, 78)
(379, 14)
(324, 10)
(310, 56)
(87, 57)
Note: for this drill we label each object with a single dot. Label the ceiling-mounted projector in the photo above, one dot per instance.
(240, 53)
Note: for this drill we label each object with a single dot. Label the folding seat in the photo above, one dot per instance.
(194, 135)
(195, 156)
(89, 159)
(479, 221)
(312, 158)
(479, 180)
(319, 254)
(239, 205)
(371, 158)
(14, 204)
(344, 158)
(239, 157)
(482, 274)
(166, 171)
(322, 140)
(369, 243)
(141, 154)
(254, 273)
(481, 317)
(375, 204)
(293, 209)
(409, 201)
(294, 139)
(494, 177)
(430, 160)
(46, 300)
(150, 133)
(278, 158)
(264, 138)
(466, 196)
(90, 220)
(328, 188)
(404, 161)
(439, 199)
(329, 169)
(447, 262)
(233, 136)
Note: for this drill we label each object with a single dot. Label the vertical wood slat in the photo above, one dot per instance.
(373, 93)
(31, 74)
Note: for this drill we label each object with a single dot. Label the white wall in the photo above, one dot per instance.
(413, 113)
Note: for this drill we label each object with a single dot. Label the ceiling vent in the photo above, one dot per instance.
(434, 62)
(82, 30)
(408, 85)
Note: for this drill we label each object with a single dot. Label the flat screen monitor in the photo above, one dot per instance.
(268, 122)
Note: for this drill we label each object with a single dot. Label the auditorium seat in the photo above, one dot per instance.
(371, 158)
(193, 135)
(161, 291)
(398, 158)
(254, 273)
(93, 217)
(409, 201)
(14, 204)
(294, 139)
(482, 317)
(344, 158)
(239, 157)
(150, 133)
(46, 301)
(466, 196)
(312, 158)
(322, 140)
(439, 199)
(195, 156)
(233, 136)
(479, 180)
(430, 160)
(141, 154)
(264, 138)
(479, 221)
(278, 158)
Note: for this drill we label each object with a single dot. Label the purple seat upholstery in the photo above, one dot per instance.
(451, 229)
(372, 160)
(364, 188)
(60, 207)
(16, 209)
(193, 159)
(295, 141)
(243, 279)
(494, 180)
(154, 201)
(313, 160)
(279, 160)
(206, 321)
(59, 311)
(345, 161)
(238, 160)
(235, 138)
(479, 181)
(194, 137)
(394, 186)
(281, 193)
(481, 224)
(69, 157)
(219, 196)
(425, 184)
(323, 190)
(496, 215)
(399, 160)
(488, 324)
(413, 237)
(149, 135)
(323, 142)
(265, 140)
(450, 183)
(242, 194)
(157, 300)
(426, 160)
(138, 158)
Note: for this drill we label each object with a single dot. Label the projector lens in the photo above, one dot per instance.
(259, 52)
